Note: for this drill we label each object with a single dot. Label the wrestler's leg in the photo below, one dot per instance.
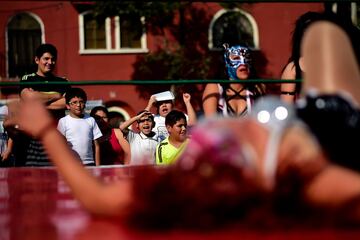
(330, 63)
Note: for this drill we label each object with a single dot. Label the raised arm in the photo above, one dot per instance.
(108, 200)
(124, 145)
(210, 99)
(152, 101)
(130, 121)
(189, 109)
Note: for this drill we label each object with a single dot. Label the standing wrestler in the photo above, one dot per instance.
(234, 99)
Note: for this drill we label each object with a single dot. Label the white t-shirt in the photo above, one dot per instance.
(3, 134)
(142, 148)
(160, 128)
(79, 133)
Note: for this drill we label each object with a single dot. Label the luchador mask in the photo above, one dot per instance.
(234, 57)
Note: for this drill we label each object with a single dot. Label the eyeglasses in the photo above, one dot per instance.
(74, 103)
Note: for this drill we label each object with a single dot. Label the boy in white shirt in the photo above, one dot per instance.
(79, 129)
(142, 144)
(6, 143)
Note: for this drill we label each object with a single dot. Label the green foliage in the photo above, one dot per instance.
(143, 8)
(157, 13)
(170, 65)
(184, 58)
(229, 5)
(177, 64)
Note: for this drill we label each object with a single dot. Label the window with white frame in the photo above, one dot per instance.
(235, 27)
(24, 34)
(119, 34)
(94, 32)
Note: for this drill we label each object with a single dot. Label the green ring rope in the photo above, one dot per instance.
(146, 82)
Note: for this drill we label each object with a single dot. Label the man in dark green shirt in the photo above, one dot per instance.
(52, 96)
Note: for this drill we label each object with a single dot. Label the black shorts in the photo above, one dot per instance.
(336, 124)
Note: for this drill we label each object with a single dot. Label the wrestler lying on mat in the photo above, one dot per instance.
(233, 169)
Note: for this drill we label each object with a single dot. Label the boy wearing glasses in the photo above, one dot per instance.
(142, 144)
(79, 129)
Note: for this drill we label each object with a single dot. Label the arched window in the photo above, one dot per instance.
(235, 27)
(24, 35)
(96, 34)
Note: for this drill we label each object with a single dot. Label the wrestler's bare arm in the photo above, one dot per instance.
(210, 99)
(98, 198)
